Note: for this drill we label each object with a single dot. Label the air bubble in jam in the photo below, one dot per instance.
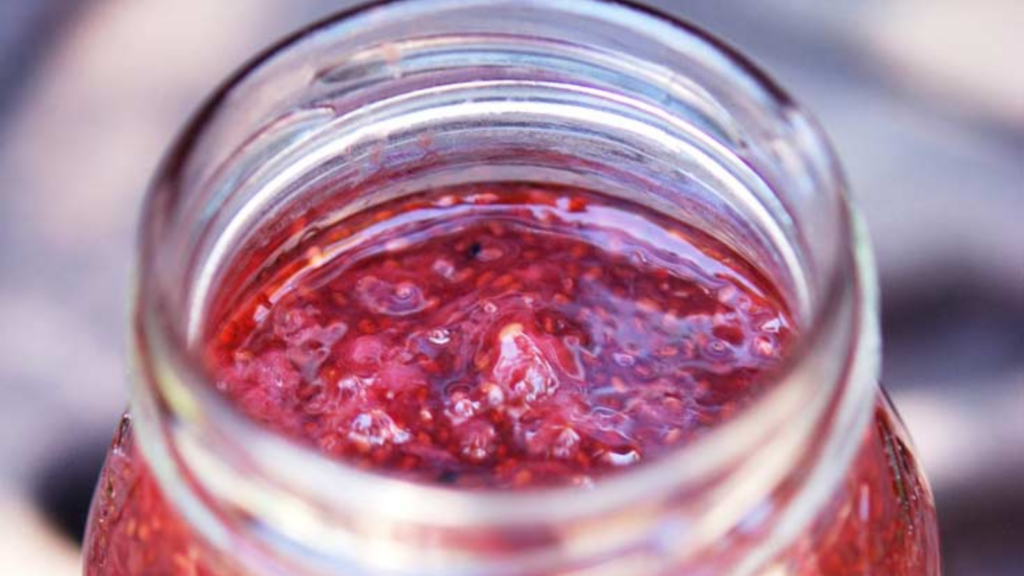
(398, 298)
(375, 428)
(522, 370)
(517, 337)
(440, 336)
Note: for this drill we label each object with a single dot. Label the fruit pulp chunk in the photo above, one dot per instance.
(506, 337)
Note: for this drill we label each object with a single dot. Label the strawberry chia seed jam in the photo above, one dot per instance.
(509, 337)
(504, 337)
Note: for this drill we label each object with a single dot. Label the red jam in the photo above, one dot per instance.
(510, 336)
(503, 340)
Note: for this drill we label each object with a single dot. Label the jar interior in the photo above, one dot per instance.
(460, 110)
(410, 97)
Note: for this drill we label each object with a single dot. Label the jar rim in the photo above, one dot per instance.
(162, 354)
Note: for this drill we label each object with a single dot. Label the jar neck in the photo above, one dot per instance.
(405, 96)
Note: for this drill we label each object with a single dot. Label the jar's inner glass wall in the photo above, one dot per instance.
(505, 119)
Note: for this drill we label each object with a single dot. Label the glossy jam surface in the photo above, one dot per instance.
(508, 337)
(498, 340)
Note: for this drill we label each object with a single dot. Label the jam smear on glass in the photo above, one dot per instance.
(509, 336)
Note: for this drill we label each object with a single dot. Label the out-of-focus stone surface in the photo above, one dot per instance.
(922, 98)
(29, 545)
(964, 52)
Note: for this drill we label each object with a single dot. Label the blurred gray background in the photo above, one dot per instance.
(924, 100)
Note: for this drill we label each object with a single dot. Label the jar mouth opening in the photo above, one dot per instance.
(185, 390)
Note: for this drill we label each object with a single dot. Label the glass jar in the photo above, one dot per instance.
(816, 477)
